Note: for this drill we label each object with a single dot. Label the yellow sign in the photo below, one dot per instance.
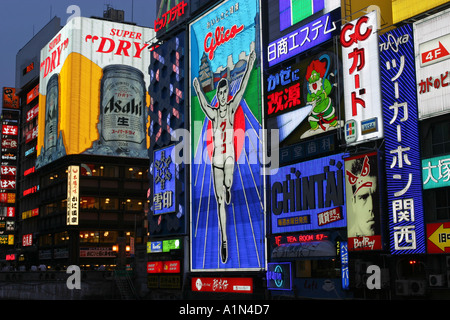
(441, 237)
(405, 9)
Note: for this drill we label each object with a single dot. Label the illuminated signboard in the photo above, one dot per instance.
(363, 202)
(10, 130)
(32, 94)
(222, 285)
(438, 237)
(163, 267)
(436, 172)
(32, 113)
(7, 239)
(92, 91)
(401, 129)
(227, 216)
(169, 15)
(7, 197)
(8, 170)
(302, 99)
(9, 212)
(164, 181)
(73, 189)
(9, 144)
(294, 11)
(10, 100)
(7, 184)
(343, 253)
(432, 48)
(360, 60)
(163, 246)
(304, 38)
(27, 240)
(404, 9)
(308, 195)
(279, 276)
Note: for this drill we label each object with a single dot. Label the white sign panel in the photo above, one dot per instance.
(361, 73)
(432, 48)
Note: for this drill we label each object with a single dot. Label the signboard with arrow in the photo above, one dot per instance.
(438, 237)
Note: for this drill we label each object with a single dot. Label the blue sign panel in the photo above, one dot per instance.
(164, 181)
(308, 196)
(279, 276)
(343, 252)
(305, 37)
(403, 163)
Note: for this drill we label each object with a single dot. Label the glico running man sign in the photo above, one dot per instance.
(227, 218)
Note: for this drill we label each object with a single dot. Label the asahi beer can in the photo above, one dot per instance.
(123, 111)
(51, 115)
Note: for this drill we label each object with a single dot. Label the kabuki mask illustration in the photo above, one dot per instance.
(361, 181)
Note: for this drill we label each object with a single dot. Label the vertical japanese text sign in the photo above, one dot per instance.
(73, 188)
(164, 181)
(403, 164)
(362, 96)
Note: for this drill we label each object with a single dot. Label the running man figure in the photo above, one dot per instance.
(223, 157)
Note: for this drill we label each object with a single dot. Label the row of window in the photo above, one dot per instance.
(86, 237)
(94, 203)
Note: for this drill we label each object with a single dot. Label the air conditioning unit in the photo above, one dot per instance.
(410, 287)
(436, 280)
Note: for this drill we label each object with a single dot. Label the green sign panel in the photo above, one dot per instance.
(436, 172)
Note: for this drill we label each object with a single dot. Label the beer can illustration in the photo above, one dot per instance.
(123, 113)
(51, 115)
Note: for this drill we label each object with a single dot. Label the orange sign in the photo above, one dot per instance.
(10, 100)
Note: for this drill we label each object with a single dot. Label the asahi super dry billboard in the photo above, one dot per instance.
(92, 91)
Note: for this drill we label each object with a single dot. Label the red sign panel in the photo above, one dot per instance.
(171, 267)
(163, 267)
(34, 93)
(233, 285)
(438, 237)
(154, 267)
(27, 240)
(32, 113)
(10, 130)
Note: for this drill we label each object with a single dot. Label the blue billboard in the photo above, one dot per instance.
(227, 216)
(308, 196)
(164, 181)
(402, 146)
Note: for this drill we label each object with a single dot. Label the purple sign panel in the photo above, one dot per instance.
(304, 38)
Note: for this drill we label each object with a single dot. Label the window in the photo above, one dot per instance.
(327, 268)
(136, 173)
(98, 236)
(89, 203)
(62, 238)
(441, 138)
(134, 205)
(45, 240)
(442, 203)
(96, 170)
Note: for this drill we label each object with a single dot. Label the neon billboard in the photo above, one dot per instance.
(401, 126)
(227, 218)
